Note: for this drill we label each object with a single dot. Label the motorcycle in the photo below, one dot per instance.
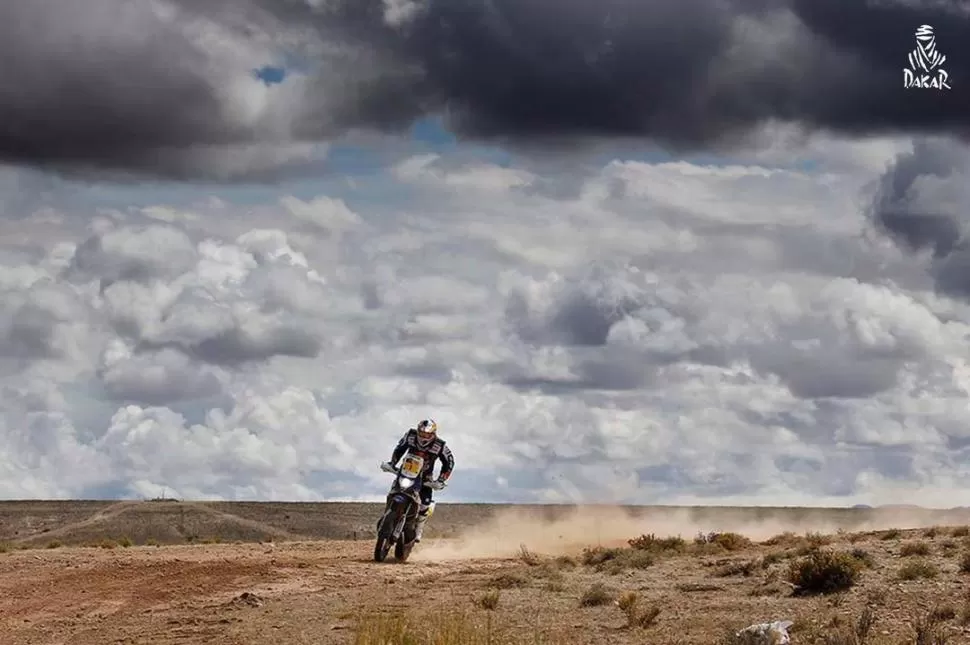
(397, 525)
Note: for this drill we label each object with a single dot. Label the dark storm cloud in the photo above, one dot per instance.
(143, 87)
(921, 204)
(105, 83)
(683, 73)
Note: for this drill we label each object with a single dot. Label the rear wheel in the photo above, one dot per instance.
(402, 550)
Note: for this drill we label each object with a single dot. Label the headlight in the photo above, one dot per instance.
(404, 482)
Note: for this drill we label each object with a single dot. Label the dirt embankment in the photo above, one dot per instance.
(489, 526)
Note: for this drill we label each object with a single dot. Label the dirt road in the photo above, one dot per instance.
(296, 593)
(314, 592)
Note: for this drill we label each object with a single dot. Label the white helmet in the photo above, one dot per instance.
(427, 431)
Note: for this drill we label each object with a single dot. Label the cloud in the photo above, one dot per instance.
(659, 332)
(170, 88)
(155, 377)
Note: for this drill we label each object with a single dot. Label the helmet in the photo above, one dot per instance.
(427, 431)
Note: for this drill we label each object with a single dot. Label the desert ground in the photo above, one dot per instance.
(166, 571)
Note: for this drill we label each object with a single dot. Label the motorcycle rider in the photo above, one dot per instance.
(424, 442)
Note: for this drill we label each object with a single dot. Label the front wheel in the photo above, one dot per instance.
(384, 531)
(381, 549)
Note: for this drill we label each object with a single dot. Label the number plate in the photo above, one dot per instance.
(412, 465)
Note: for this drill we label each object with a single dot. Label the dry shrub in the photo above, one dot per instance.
(960, 531)
(745, 568)
(651, 542)
(528, 557)
(917, 548)
(928, 630)
(824, 572)
(637, 615)
(597, 555)
(943, 613)
(891, 534)
(818, 540)
(787, 538)
(614, 561)
(631, 560)
(965, 611)
(864, 557)
(931, 532)
(918, 569)
(489, 599)
(508, 580)
(965, 562)
(855, 537)
(773, 558)
(627, 599)
(595, 595)
(728, 541)
(564, 562)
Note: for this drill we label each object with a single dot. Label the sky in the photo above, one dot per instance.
(703, 252)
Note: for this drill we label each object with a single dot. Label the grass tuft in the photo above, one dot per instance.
(917, 570)
(917, 548)
(445, 629)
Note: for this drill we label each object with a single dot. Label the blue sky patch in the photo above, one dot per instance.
(270, 74)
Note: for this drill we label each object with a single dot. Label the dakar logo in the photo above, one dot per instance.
(924, 63)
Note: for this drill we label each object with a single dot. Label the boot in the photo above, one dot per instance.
(419, 525)
(424, 513)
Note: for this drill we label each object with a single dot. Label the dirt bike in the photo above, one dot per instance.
(397, 525)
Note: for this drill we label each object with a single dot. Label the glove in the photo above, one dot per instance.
(438, 484)
(388, 467)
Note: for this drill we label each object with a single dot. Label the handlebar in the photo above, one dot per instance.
(433, 485)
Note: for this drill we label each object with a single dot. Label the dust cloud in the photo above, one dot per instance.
(567, 532)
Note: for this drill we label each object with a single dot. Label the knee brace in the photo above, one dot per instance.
(426, 511)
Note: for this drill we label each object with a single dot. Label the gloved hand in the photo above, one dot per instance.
(388, 467)
(438, 484)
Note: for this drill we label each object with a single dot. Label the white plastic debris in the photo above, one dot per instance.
(773, 633)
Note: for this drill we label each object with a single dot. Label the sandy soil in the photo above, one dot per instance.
(314, 592)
